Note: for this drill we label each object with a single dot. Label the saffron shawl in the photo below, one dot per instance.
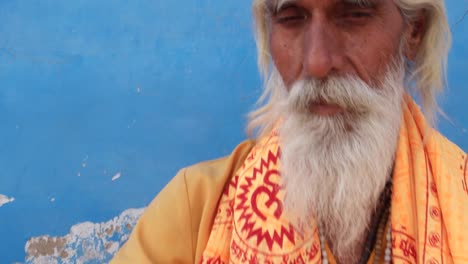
(429, 210)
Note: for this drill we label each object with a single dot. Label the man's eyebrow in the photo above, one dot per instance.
(361, 3)
(277, 5)
(282, 3)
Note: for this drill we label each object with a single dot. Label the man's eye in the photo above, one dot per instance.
(290, 19)
(290, 15)
(357, 15)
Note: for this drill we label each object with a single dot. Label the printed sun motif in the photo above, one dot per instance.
(259, 209)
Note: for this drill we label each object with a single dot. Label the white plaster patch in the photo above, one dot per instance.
(83, 163)
(113, 248)
(116, 176)
(4, 200)
(45, 260)
(86, 243)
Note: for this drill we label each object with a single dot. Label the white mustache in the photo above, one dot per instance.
(350, 93)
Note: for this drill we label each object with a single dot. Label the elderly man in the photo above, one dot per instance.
(345, 168)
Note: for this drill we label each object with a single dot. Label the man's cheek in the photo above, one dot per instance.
(286, 57)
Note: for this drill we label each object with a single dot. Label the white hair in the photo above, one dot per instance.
(427, 71)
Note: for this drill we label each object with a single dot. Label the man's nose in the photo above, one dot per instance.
(322, 56)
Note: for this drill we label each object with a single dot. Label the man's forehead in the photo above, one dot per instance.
(277, 4)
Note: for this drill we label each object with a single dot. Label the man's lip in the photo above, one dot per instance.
(325, 109)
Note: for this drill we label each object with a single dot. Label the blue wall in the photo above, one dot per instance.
(90, 89)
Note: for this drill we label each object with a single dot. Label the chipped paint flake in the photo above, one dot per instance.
(112, 247)
(5, 199)
(116, 176)
(86, 243)
(83, 163)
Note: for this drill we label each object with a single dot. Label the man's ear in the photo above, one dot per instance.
(414, 34)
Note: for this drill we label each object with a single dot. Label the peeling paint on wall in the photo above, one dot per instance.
(116, 176)
(86, 243)
(4, 200)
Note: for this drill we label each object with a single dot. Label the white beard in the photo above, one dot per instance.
(334, 168)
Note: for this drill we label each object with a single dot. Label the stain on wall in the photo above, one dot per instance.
(86, 243)
(5, 199)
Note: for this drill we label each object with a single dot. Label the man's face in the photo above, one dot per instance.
(342, 67)
(316, 39)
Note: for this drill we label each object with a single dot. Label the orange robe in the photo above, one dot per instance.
(428, 216)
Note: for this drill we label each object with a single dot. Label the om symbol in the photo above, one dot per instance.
(271, 189)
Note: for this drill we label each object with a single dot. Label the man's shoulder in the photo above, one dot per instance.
(448, 159)
(182, 213)
(445, 147)
(220, 170)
